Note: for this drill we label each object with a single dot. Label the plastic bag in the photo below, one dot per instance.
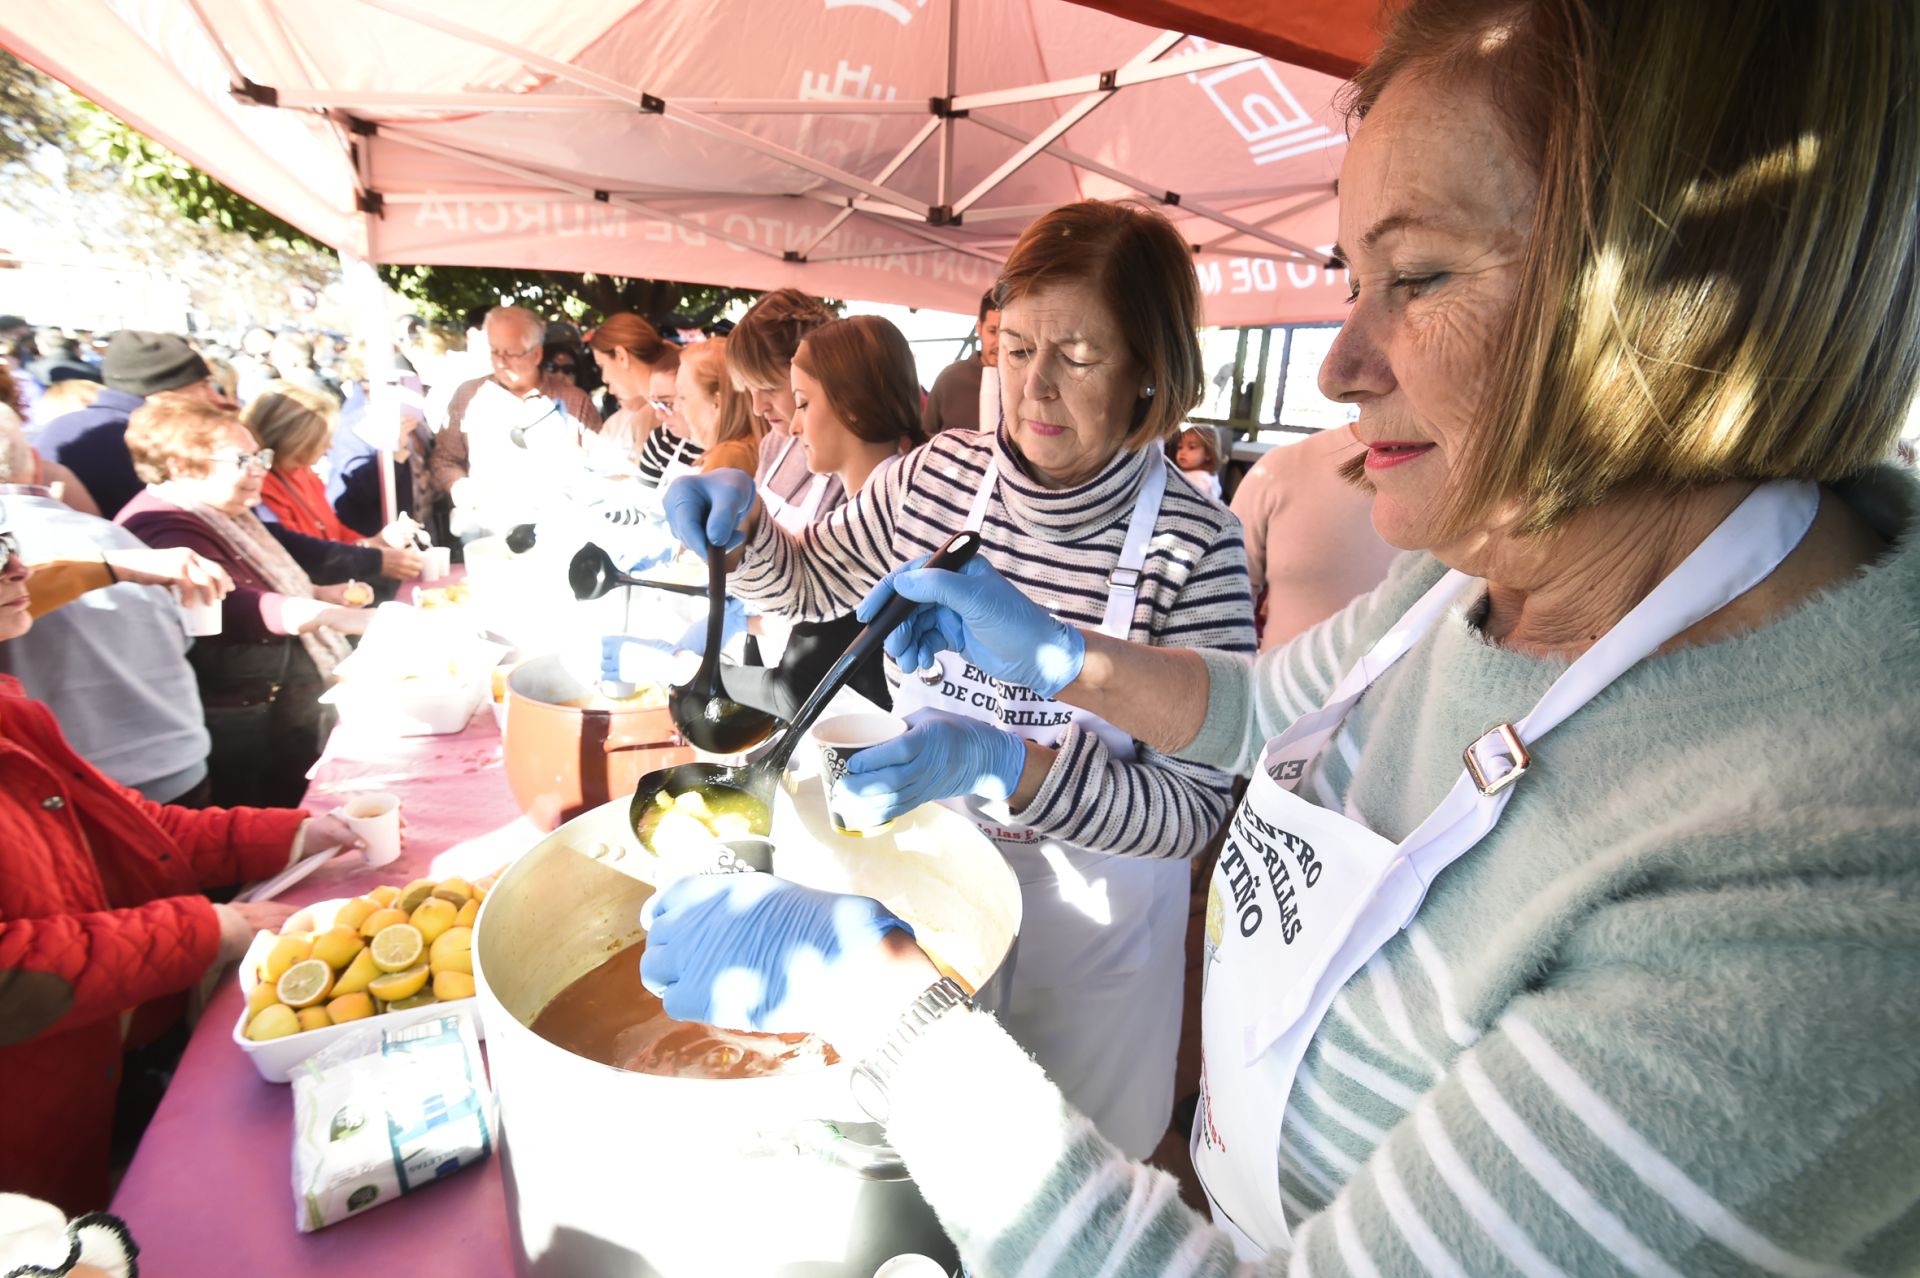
(382, 1113)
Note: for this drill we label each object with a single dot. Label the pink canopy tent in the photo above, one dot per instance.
(883, 150)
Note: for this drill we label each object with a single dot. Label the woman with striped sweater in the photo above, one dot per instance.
(1073, 500)
(1567, 926)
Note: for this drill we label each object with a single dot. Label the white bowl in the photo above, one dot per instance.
(407, 707)
(278, 1058)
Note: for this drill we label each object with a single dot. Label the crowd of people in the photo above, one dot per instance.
(1639, 993)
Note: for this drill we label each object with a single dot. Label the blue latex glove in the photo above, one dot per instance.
(707, 509)
(755, 952)
(694, 640)
(941, 756)
(982, 616)
(622, 658)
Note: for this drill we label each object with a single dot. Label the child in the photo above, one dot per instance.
(1196, 451)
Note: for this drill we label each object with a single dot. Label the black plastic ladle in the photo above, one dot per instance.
(592, 574)
(758, 778)
(700, 707)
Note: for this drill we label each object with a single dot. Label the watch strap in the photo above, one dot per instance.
(873, 1076)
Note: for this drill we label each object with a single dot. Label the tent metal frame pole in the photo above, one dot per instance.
(574, 188)
(893, 166)
(235, 78)
(898, 250)
(1165, 42)
(1311, 202)
(374, 100)
(1137, 72)
(1156, 192)
(647, 102)
(944, 196)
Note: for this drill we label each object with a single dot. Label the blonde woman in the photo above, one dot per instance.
(296, 424)
(712, 413)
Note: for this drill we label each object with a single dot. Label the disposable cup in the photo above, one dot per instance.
(911, 1265)
(437, 563)
(200, 619)
(842, 737)
(376, 819)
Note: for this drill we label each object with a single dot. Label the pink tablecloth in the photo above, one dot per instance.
(210, 1190)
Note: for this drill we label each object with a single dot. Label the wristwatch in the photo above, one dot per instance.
(873, 1075)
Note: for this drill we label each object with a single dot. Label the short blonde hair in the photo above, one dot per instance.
(1140, 267)
(1720, 282)
(708, 362)
(296, 422)
(169, 436)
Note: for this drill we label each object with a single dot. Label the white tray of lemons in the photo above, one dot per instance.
(399, 953)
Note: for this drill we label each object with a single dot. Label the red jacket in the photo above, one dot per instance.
(100, 912)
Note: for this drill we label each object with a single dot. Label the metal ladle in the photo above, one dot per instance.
(592, 573)
(701, 708)
(758, 778)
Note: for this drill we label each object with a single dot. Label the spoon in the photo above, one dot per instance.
(749, 787)
(700, 707)
(521, 538)
(592, 574)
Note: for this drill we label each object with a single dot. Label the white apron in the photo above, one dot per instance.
(792, 516)
(1304, 897)
(1098, 973)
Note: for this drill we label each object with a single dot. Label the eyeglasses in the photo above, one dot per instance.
(508, 357)
(263, 459)
(664, 407)
(9, 548)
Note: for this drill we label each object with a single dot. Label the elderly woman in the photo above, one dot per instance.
(296, 425)
(854, 402)
(281, 635)
(104, 922)
(1075, 500)
(1632, 985)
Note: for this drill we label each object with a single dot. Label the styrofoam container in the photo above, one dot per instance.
(407, 707)
(278, 1058)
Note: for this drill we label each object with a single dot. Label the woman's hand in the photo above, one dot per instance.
(329, 831)
(982, 616)
(755, 952)
(714, 509)
(240, 920)
(400, 563)
(399, 534)
(198, 580)
(939, 757)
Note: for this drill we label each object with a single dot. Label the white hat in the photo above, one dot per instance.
(38, 1241)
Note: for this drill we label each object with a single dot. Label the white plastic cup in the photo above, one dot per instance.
(376, 819)
(840, 738)
(200, 619)
(911, 1265)
(436, 563)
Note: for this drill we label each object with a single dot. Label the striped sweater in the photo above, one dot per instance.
(1058, 546)
(1664, 1019)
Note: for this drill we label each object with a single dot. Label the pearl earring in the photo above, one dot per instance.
(1147, 393)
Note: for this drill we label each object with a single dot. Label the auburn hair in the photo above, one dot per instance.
(762, 344)
(1140, 268)
(1719, 283)
(628, 332)
(866, 371)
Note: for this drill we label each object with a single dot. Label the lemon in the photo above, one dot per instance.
(384, 895)
(313, 1018)
(261, 995)
(277, 1021)
(398, 947)
(434, 917)
(294, 948)
(457, 890)
(337, 946)
(424, 998)
(355, 912)
(469, 914)
(305, 983)
(449, 985)
(358, 975)
(453, 952)
(399, 985)
(350, 1007)
(384, 917)
(412, 894)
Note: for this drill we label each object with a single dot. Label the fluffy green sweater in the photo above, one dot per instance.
(1664, 1019)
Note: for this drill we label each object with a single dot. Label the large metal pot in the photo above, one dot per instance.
(616, 1173)
(563, 760)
